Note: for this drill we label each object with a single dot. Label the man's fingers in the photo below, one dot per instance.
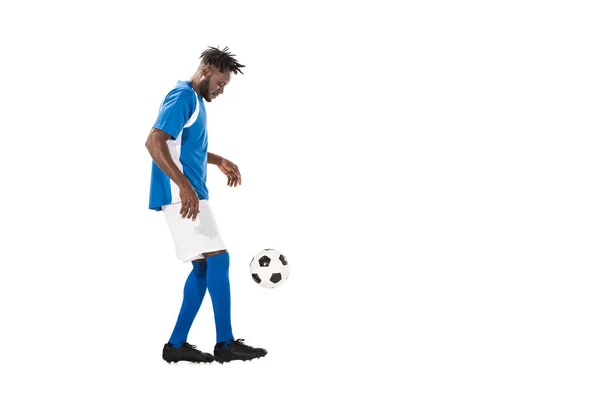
(188, 208)
(190, 212)
(194, 212)
(233, 180)
(239, 175)
(194, 209)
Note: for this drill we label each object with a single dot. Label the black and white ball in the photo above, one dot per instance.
(269, 268)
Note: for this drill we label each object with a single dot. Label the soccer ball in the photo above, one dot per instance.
(269, 268)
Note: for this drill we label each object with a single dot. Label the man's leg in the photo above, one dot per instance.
(217, 279)
(193, 293)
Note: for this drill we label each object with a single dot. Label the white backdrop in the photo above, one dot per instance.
(430, 169)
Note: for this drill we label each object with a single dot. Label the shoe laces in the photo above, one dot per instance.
(189, 346)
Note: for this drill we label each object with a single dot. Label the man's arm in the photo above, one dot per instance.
(156, 143)
(231, 170)
(159, 151)
(214, 159)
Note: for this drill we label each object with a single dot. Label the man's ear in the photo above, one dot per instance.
(207, 71)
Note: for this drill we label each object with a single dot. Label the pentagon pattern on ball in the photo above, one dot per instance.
(264, 261)
(283, 259)
(256, 278)
(276, 277)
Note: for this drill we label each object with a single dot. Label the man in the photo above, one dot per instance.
(178, 145)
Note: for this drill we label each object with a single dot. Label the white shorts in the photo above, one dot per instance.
(192, 238)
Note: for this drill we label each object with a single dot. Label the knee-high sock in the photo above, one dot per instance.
(193, 294)
(217, 279)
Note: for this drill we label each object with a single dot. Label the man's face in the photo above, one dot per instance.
(213, 83)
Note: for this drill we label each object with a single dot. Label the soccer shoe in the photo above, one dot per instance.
(237, 350)
(187, 352)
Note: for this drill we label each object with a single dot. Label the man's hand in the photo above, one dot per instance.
(189, 202)
(234, 177)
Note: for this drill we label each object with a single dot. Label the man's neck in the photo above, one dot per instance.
(195, 82)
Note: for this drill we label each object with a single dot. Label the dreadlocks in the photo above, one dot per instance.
(221, 59)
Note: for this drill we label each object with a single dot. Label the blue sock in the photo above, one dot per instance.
(193, 294)
(217, 279)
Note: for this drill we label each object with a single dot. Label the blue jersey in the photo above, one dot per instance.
(183, 116)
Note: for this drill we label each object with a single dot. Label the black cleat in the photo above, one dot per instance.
(237, 350)
(187, 352)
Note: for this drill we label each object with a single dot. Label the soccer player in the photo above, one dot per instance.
(178, 145)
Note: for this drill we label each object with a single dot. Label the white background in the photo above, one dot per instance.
(429, 168)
